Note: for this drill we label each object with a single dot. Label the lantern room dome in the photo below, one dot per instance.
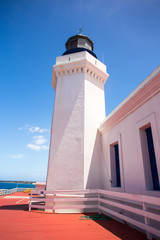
(79, 43)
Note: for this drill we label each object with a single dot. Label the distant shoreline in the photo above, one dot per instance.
(24, 182)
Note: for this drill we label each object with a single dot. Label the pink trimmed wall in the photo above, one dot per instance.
(124, 127)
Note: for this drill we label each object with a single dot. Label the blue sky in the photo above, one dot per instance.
(126, 38)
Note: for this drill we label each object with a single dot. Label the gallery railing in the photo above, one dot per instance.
(10, 191)
(137, 210)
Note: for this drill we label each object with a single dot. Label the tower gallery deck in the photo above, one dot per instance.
(17, 223)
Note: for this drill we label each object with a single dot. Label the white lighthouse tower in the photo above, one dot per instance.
(78, 80)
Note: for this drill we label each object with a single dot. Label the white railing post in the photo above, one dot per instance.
(99, 203)
(146, 220)
(53, 209)
(30, 202)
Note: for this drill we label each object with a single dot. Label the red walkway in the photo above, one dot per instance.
(17, 223)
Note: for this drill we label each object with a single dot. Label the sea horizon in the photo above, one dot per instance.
(19, 181)
(16, 184)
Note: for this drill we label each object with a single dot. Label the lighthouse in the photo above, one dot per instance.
(78, 79)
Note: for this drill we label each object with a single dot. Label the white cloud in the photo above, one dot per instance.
(37, 147)
(33, 147)
(37, 143)
(44, 147)
(18, 156)
(44, 130)
(39, 140)
(34, 129)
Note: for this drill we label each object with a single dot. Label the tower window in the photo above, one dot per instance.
(115, 166)
(152, 159)
(74, 43)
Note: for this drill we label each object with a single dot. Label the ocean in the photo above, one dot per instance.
(7, 185)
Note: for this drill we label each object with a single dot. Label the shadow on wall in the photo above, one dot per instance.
(94, 178)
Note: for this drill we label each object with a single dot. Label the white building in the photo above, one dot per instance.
(88, 151)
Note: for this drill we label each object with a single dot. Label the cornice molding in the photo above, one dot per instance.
(78, 67)
(144, 94)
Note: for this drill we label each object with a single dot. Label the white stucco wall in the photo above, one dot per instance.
(65, 170)
(78, 80)
(127, 133)
(94, 113)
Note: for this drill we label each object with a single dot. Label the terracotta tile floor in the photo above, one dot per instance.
(17, 223)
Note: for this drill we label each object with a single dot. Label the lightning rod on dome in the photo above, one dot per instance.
(80, 30)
